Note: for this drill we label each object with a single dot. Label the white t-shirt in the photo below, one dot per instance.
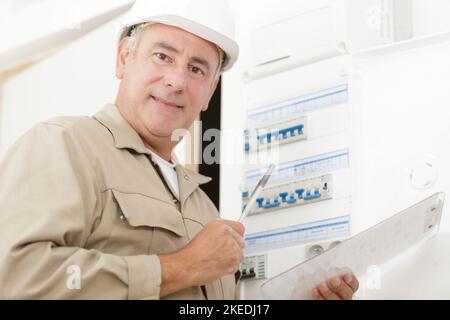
(168, 170)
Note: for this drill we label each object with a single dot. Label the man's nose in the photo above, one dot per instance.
(176, 79)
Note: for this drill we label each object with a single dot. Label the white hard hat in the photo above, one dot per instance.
(211, 20)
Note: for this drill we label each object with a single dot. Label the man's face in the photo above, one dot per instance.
(167, 80)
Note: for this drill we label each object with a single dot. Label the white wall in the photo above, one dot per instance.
(77, 80)
(430, 16)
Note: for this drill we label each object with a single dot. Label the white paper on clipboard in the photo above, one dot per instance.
(372, 247)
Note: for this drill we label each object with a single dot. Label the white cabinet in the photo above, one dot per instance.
(314, 31)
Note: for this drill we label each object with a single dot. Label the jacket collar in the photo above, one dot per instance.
(125, 137)
(188, 182)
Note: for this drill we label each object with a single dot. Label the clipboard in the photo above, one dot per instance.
(373, 247)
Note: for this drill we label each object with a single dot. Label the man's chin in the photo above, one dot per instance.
(173, 134)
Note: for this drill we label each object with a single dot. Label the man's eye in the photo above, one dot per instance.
(162, 57)
(197, 71)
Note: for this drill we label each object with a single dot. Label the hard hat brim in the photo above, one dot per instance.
(229, 46)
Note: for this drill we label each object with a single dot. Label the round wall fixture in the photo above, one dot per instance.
(423, 175)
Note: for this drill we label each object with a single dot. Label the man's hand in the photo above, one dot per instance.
(215, 251)
(337, 288)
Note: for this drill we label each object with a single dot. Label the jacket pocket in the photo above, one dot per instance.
(140, 219)
(142, 211)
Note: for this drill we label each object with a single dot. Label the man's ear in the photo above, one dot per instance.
(122, 54)
(213, 89)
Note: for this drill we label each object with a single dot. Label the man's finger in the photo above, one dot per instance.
(326, 293)
(240, 241)
(351, 281)
(316, 294)
(341, 288)
(237, 226)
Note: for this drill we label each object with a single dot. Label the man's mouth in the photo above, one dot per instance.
(166, 103)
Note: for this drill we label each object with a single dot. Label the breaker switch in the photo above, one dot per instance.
(316, 193)
(307, 196)
(291, 199)
(283, 196)
(276, 203)
(300, 192)
(260, 202)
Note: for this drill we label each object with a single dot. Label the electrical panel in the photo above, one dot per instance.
(305, 130)
(296, 96)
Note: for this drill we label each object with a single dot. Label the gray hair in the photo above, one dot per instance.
(136, 31)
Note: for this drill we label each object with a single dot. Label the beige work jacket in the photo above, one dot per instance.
(79, 197)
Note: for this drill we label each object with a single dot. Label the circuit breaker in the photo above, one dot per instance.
(254, 267)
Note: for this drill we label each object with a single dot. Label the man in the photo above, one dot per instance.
(97, 208)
